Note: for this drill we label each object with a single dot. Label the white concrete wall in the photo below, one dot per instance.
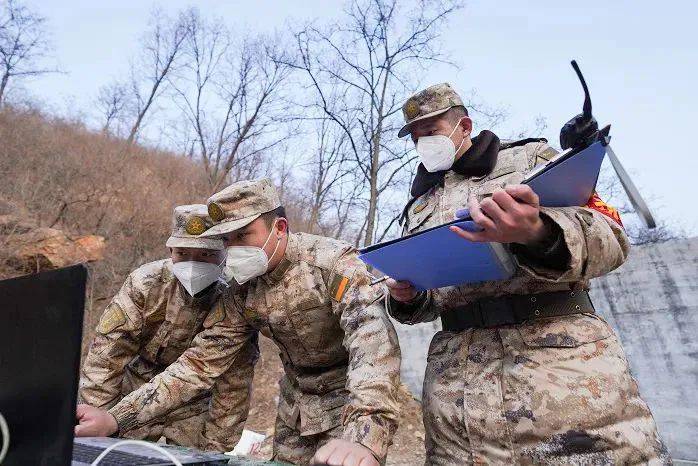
(652, 302)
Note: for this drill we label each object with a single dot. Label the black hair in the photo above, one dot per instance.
(272, 215)
(454, 114)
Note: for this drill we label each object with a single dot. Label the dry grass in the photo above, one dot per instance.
(59, 174)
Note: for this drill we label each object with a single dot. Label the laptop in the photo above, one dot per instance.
(40, 334)
(87, 449)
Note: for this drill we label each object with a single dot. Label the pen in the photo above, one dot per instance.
(379, 280)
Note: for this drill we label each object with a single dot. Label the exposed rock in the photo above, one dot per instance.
(92, 245)
(48, 248)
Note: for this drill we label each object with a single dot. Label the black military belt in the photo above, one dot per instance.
(515, 309)
(316, 380)
(316, 370)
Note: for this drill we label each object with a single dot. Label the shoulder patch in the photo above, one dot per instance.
(595, 203)
(546, 155)
(421, 202)
(216, 315)
(339, 286)
(112, 318)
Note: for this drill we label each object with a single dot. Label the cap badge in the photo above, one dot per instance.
(215, 212)
(411, 109)
(195, 226)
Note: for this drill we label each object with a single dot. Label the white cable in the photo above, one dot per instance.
(5, 438)
(137, 442)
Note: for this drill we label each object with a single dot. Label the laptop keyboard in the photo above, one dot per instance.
(87, 454)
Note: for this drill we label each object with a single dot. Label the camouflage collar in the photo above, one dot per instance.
(166, 275)
(275, 275)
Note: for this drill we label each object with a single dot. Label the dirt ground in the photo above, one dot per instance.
(408, 444)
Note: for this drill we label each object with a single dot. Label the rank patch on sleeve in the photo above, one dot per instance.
(113, 318)
(419, 204)
(339, 286)
(600, 206)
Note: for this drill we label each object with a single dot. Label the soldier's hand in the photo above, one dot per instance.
(401, 291)
(344, 453)
(511, 215)
(94, 422)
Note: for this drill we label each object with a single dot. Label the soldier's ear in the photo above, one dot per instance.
(467, 124)
(282, 225)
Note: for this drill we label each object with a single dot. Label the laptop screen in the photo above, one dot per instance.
(40, 333)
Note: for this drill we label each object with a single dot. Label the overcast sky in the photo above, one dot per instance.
(639, 59)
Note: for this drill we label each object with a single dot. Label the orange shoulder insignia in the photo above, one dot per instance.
(600, 206)
(339, 286)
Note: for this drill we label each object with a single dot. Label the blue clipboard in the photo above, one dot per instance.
(568, 179)
(437, 257)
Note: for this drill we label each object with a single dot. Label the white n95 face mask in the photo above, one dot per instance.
(196, 276)
(243, 263)
(438, 152)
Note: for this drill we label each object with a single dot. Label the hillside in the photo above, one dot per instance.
(83, 195)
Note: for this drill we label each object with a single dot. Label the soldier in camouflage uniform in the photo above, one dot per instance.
(524, 371)
(312, 296)
(146, 327)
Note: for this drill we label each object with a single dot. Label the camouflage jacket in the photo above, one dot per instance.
(339, 349)
(147, 326)
(594, 243)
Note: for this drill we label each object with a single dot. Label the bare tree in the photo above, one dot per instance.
(163, 45)
(359, 72)
(328, 170)
(532, 130)
(227, 91)
(112, 102)
(345, 202)
(665, 231)
(490, 116)
(23, 44)
(612, 192)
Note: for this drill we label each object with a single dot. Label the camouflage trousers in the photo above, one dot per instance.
(550, 391)
(292, 447)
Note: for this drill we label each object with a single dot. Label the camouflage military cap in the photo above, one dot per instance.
(240, 204)
(427, 103)
(188, 222)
